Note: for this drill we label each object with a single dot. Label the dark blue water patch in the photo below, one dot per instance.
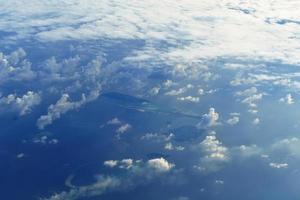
(159, 74)
(157, 155)
(187, 133)
(124, 98)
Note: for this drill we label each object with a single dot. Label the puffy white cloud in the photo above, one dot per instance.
(111, 163)
(15, 67)
(247, 92)
(215, 155)
(123, 128)
(209, 119)
(114, 121)
(182, 90)
(278, 165)
(245, 151)
(288, 99)
(219, 182)
(290, 146)
(176, 92)
(256, 121)
(169, 146)
(63, 105)
(234, 120)
(213, 148)
(102, 184)
(23, 104)
(160, 164)
(251, 96)
(44, 140)
(135, 170)
(168, 83)
(154, 91)
(158, 137)
(189, 98)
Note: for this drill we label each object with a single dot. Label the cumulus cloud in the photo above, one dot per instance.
(154, 91)
(215, 155)
(62, 106)
(15, 67)
(209, 119)
(219, 182)
(251, 96)
(111, 163)
(256, 121)
(123, 128)
(278, 165)
(114, 121)
(182, 90)
(44, 140)
(189, 98)
(176, 92)
(102, 184)
(148, 170)
(244, 151)
(23, 104)
(158, 137)
(288, 99)
(234, 120)
(169, 146)
(160, 164)
(290, 146)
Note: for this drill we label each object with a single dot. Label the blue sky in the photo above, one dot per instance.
(114, 99)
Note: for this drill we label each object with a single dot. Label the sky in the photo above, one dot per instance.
(173, 100)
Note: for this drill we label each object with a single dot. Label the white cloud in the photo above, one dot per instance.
(15, 67)
(155, 165)
(158, 137)
(213, 148)
(219, 182)
(189, 98)
(111, 163)
(114, 121)
(215, 155)
(234, 120)
(176, 92)
(245, 151)
(288, 99)
(154, 91)
(168, 83)
(135, 170)
(251, 96)
(169, 146)
(102, 184)
(215, 29)
(291, 146)
(124, 128)
(256, 121)
(63, 105)
(209, 119)
(278, 165)
(160, 164)
(23, 104)
(44, 140)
